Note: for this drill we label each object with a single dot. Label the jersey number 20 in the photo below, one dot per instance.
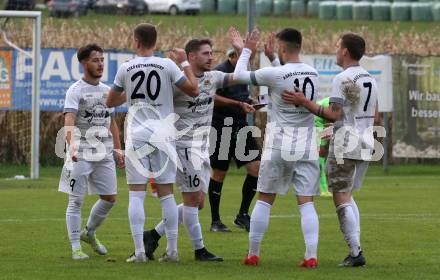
(141, 74)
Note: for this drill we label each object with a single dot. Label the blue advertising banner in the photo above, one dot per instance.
(59, 70)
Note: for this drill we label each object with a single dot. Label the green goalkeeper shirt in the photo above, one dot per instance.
(319, 121)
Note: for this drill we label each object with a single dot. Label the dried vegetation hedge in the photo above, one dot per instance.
(72, 34)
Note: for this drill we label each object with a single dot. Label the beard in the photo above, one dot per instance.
(96, 75)
(205, 67)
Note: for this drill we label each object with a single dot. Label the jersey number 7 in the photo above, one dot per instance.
(369, 86)
(141, 74)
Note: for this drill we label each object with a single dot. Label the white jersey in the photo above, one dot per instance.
(88, 102)
(293, 125)
(196, 112)
(148, 83)
(359, 115)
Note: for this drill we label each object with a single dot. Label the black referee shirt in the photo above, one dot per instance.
(237, 92)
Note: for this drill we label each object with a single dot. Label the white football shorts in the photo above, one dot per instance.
(145, 161)
(96, 177)
(196, 170)
(277, 175)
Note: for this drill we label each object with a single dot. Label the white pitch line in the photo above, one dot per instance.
(373, 216)
(391, 216)
(61, 220)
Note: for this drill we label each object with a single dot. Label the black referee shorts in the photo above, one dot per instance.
(251, 144)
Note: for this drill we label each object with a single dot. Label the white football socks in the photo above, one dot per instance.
(310, 229)
(357, 216)
(73, 220)
(98, 214)
(259, 224)
(192, 224)
(170, 218)
(136, 217)
(160, 227)
(189, 216)
(348, 225)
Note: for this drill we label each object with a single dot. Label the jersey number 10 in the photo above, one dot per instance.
(307, 81)
(141, 74)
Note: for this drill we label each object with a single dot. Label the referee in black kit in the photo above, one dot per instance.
(235, 119)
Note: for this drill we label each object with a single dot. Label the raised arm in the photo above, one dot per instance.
(269, 50)
(190, 85)
(241, 73)
(235, 39)
(238, 44)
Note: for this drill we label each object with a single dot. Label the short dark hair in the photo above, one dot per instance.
(195, 44)
(85, 51)
(146, 34)
(291, 37)
(355, 45)
(231, 53)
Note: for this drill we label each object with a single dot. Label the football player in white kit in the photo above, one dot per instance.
(88, 167)
(290, 129)
(353, 104)
(146, 83)
(192, 147)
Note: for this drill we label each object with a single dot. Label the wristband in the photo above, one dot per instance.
(320, 111)
(184, 64)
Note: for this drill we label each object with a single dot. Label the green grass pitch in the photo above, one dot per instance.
(400, 221)
(213, 22)
(400, 216)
